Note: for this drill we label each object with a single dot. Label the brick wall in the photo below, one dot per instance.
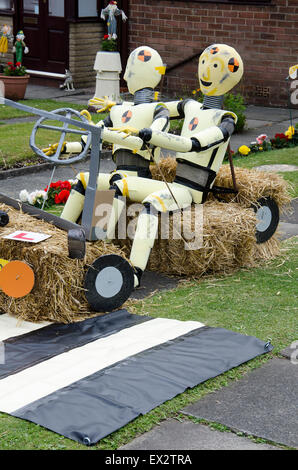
(84, 43)
(265, 37)
(9, 56)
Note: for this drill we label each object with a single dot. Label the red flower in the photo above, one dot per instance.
(281, 136)
(18, 64)
(9, 63)
(56, 185)
(62, 197)
(106, 36)
(66, 185)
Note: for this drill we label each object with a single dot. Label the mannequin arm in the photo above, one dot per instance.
(203, 140)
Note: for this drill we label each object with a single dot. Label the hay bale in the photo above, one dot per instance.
(229, 243)
(252, 184)
(58, 294)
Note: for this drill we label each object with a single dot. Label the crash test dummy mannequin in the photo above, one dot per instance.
(143, 73)
(200, 150)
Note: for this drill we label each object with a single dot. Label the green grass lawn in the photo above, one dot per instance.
(15, 141)
(7, 112)
(265, 306)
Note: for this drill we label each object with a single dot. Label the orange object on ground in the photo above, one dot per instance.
(16, 279)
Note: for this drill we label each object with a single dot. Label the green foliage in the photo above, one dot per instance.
(108, 44)
(17, 70)
(235, 103)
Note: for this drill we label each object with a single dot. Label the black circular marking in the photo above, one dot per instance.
(98, 302)
(271, 208)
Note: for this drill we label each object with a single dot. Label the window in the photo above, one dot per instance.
(31, 6)
(56, 8)
(6, 4)
(87, 8)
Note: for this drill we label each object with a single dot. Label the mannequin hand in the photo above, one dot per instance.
(126, 129)
(105, 103)
(51, 150)
(87, 115)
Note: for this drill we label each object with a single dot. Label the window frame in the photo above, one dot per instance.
(8, 11)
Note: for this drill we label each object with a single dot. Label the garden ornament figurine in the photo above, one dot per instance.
(68, 82)
(109, 13)
(20, 47)
(143, 73)
(5, 37)
(200, 150)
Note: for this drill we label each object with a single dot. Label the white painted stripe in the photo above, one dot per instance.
(11, 327)
(23, 388)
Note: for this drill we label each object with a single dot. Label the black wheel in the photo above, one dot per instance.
(267, 213)
(4, 219)
(108, 283)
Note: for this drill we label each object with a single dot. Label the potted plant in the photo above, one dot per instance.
(15, 79)
(108, 44)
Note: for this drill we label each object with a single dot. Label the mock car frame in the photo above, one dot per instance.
(110, 276)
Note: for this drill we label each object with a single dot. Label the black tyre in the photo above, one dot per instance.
(267, 213)
(4, 219)
(109, 283)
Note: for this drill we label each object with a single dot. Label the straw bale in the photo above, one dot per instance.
(252, 184)
(229, 243)
(58, 294)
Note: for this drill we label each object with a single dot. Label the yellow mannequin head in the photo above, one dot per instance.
(220, 69)
(144, 69)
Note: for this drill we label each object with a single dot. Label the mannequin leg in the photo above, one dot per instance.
(75, 203)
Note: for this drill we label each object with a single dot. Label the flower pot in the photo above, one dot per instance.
(15, 87)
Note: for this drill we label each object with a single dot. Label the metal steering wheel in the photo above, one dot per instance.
(65, 129)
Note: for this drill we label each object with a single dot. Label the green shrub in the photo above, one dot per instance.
(235, 103)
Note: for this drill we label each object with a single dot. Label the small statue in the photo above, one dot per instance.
(5, 37)
(68, 83)
(109, 13)
(20, 47)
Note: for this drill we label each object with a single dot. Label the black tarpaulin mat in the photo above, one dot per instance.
(159, 359)
(32, 348)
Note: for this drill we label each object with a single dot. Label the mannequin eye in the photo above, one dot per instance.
(215, 66)
(203, 61)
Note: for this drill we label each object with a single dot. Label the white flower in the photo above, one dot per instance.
(32, 198)
(24, 195)
(41, 194)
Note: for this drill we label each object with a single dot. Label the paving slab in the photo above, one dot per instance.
(291, 352)
(264, 403)
(292, 216)
(153, 282)
(277, 168)
(287, 231)
(186, 435)
(269, 113)
(12, 186)
(42, 92)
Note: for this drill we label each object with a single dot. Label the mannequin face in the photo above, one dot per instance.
(220, 69)
(144, 69)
